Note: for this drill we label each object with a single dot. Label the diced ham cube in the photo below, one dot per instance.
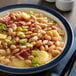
(30, 27)
(28, 50)
(20, 23)
(15, 16)
(12, 16)
(5, 19)
(20, 57)
(54, 28)
(23, 54)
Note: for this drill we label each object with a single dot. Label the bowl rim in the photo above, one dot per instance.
(70, 38)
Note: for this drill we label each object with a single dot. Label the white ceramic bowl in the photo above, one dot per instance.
(56, 16)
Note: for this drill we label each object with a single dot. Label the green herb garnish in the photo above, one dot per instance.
(25, 27)
(8, 42)
(47, 29)
(34, 60)
(35, 65)
(22, 41)
(20, 29)
(35, 52)
(20, 33)
(2, 27)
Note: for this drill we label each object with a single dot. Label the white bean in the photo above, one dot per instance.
(61, 44)
(43, 25)
(28, 62)
(13, 34)
(15, 51)
(50, 33)
(35, 38)
(5, 61)
(47, 37)
(46, 47)
(30, 57)
(34, 34)
(22, 47)
(33, 43)
(55, 52)
(42, 48)
(39, 43)
(51, 48)
(2, 52)
(17, 38)
(42, 32)
(45, 42)
(14, 27)
(57, 43)
(9, 37)
(55, 38)
(40, 35)
(33, 17)
(59, 48)
(8, 51)
(10, 31)
(13, 47)
(50, 43)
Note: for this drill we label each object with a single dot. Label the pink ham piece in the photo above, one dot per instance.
(10, 17)
(23, 54)
(20, 23)
(54, 28)
(32, 25)
(15, 16)
(5, 19)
